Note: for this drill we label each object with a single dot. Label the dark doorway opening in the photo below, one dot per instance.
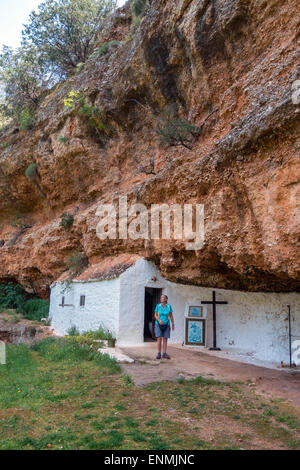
(152, 298)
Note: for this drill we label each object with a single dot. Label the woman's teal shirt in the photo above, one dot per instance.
(163, 312)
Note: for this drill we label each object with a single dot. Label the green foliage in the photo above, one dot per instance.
(66, 221)
(73, 331)
(79, 67)
(31, 171)
(26, 119)
(77, 262)
(98, 334)
(106, 46)
(62, 139)
(102, 334)
(57, 40)
(11, 296)
(139, 7)
(70, 350)
(64, 30)
(173, 131)
(94, 115)
(24, 78)
(35, 309)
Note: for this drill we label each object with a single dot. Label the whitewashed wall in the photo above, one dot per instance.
(101, 306)
(255, 323)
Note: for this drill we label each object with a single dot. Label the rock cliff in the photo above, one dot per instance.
(231, 67)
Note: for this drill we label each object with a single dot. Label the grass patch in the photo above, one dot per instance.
(60, 395)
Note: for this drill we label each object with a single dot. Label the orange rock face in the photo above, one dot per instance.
(233, 62)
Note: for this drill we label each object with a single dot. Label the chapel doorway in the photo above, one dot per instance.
(152, 298)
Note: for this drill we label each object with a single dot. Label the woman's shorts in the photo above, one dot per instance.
(162, 334)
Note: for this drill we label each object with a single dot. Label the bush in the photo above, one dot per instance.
(68, 349)
(77, 262)
(62, 139)
(35, 309)
(73, 331)
(106, 46)
(66, 221)
(23, 80)
(26, 120)
(98, 334)
(173, 131)
(31, 171)
(79, 67)
(139, 7)
(64, 31)
(11, 296)
(94, 115)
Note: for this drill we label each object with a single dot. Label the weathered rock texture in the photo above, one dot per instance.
(237, 58)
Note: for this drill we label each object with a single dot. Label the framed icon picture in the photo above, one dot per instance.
(195, 311)
(195, 331)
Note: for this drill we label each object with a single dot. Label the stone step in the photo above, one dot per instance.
(116, 354)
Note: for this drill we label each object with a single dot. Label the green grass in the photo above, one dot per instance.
(36, 309)
(60, 395)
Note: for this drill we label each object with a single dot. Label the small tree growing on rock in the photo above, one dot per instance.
(139, 7)
(66, 220)
(173, 131)
(77, 262)
(32, 174)
(31, 171)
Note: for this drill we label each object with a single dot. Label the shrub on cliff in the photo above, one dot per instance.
(24, 78)
(105, 47)
(95, 116)
(64, 30)
(139, 7)
(31, 171)
(66, 220)
(26, 119)
(173, 131)
(57, 40)
(77, 262)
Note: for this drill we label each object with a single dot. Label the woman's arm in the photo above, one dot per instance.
(156, 315)
(172, 320)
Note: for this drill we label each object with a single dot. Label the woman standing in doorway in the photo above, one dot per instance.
(163, 315)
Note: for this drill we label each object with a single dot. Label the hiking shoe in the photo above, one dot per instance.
(166, 356)
(158, 356)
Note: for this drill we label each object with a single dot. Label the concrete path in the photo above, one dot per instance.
(186, 363)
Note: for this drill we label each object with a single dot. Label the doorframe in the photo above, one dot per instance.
(157, 288)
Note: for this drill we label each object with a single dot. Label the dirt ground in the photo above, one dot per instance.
(186, 363)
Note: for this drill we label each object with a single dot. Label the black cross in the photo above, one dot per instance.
(214, 303)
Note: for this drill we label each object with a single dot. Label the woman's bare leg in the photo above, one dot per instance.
(159, 345)
(165, 345)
